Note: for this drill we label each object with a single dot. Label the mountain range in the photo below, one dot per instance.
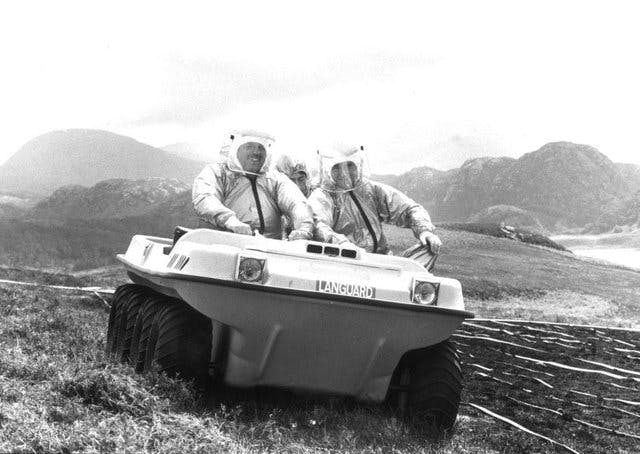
(558, 187)
(95, 175)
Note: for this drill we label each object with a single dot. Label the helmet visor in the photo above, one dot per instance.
(341, 173)
(345, 175)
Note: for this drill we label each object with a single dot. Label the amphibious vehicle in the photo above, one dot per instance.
(248, 311)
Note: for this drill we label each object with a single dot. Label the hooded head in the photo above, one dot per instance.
(341, 168)
(250, 152)
(297, 172)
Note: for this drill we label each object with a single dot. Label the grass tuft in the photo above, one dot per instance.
(114, 392)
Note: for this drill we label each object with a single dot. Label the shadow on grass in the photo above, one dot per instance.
(319, 417)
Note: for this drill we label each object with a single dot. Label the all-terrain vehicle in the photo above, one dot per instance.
(300, 315)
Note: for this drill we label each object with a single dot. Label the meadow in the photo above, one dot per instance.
(59, 393)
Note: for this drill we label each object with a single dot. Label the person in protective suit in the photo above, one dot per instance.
(351, 208)
(242, 195)
(297, 172)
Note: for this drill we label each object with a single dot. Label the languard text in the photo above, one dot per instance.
(342, 288)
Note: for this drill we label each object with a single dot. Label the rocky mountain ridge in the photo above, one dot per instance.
(560, 186)
(116, 198)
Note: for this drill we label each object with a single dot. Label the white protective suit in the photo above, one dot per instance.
(224, 190)
(354, 211)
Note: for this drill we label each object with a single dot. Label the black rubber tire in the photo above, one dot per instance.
(180, 341)
(142, 330)
(129, 314)
(435, 385)
(120, 296)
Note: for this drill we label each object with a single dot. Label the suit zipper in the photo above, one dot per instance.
(366, 221)
(254, 188)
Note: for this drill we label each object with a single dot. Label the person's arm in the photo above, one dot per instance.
(397, 208)
(207, 196)
(322, 206)
(295, 207)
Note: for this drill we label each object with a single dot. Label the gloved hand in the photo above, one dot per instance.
(338, 238)
(235, 225)
(432, 240)
(298, 235)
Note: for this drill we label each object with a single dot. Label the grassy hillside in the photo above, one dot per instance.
(84, 244)
(59, 393)
(507, 278)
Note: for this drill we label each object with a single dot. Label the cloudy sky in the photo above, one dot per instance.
(418, 83)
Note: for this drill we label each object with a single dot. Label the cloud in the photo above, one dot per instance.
(196, 90)
(422, 84)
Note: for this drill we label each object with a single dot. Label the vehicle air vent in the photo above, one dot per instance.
(178, 261)
(349, 253)
(332, 251)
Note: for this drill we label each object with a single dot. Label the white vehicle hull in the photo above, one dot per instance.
(296, 336)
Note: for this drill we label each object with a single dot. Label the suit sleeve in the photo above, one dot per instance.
(323, 215)
(394, 207)
(207, 196)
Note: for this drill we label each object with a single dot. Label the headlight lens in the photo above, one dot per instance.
(425, 293)
(250, 269)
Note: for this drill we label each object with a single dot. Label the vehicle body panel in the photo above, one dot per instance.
(284, 331)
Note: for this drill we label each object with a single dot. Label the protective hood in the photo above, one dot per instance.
(341, 168)
(296, 170)
(239, 138)
(290, 166)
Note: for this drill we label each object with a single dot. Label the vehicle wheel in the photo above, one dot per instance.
(142, 330)
(129, 314)
(435, 384)
(120, 296)
(180, 341)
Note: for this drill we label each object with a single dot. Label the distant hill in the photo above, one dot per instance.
(473, 186)
(72, 244)
(567, 182)
(10, 211)
(14, 205)
(190, 151)
(560, 185)
(631, 174)
(85, 157)
(508, 215)
(389, 179)
(426, 185)
(115, 198)
(618, 216)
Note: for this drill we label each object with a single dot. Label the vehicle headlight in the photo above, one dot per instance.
(425, 293)
(251, 269)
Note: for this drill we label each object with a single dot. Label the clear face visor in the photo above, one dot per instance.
(250, 154)
(341, 174)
